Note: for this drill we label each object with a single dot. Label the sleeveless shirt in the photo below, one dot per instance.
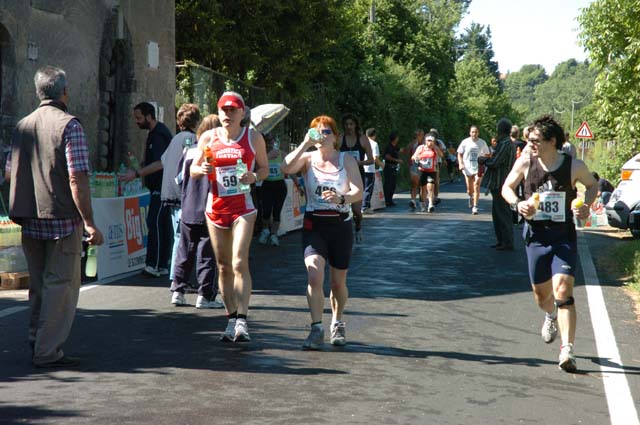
(225, 196)
(317, 181)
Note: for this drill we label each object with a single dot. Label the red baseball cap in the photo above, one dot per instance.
(231, 99)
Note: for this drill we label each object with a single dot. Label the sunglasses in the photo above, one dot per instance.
(326, 131)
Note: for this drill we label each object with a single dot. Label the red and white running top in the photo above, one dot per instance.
(225, 196)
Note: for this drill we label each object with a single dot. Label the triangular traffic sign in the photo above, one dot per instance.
(584, 132)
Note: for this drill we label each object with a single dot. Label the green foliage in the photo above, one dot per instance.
(477, 94)
(627, 256)
(611, 34)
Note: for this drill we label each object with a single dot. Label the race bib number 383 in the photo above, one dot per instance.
(551, 207)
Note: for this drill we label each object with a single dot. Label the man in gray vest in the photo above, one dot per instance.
(50, 198)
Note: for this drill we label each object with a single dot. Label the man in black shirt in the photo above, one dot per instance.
(605, 188)
(391, 167)
(159, 226)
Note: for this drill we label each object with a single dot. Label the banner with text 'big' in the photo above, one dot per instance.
(135, 218)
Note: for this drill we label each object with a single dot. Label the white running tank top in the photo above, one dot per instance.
(316, 181)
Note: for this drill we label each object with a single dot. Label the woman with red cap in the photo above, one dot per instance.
(230, 212)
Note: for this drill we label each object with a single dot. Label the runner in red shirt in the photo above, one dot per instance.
(230, 212)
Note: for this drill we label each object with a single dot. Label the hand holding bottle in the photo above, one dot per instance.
(532, 206)
(580, 212)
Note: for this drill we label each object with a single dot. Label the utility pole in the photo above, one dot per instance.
(573, 105)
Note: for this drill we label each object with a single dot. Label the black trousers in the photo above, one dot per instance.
(195, 245)
(160, 236)
(369, 181)
(502, 219)
(389, 186)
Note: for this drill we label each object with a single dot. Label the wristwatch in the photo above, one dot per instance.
(514, 206)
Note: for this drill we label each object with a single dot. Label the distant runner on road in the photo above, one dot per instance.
(549, 232)
(469, 150)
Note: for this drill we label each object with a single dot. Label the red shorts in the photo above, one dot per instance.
(226, 220)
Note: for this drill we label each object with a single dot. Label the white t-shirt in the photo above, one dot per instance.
(470, 151)
(375, 150)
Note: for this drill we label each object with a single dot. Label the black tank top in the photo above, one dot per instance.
(559, 180)
(355, 148)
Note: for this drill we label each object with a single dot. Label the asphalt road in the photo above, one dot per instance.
(441, 330)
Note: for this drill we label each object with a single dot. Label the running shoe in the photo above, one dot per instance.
(431, 208)
(202, 303)
(177, 299)
(412, 205)
(438, 200)
(474, 210)
(423, 208)
(338, 334)
(156, 272)
(567, 361)
(230, 332)
(367, 211)
(359, 237)
(241, 331)
(549, 330)
(273, 240)
(315, 340)
(264, 236)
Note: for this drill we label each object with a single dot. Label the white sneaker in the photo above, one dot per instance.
(338, 334)
(567, 360)
(241, 331)
(423, 208)
(155, 272)
(273, 239)
(315, 340)
(474, 210)
(202, 302)
(549, 330)
(230, 331)
(177, 299)
(264, 236)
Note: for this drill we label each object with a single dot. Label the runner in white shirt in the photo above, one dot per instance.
(469, 150)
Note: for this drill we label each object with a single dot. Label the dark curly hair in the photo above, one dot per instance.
(550, 129)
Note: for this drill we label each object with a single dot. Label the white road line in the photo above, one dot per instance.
(622, 409)
(11, 310)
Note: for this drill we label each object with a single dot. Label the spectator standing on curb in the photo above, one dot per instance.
(230, 211)
(392, 163)
(549, 232)
(187, 118)
(49, 197)
(370, 171)
(194, 245)
(332, 182)
(158, 219)
(497, 169)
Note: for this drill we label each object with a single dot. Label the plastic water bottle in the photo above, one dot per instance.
(314, 135)
(241, 168)
(276, 144)
(133, 162)
(91, 266)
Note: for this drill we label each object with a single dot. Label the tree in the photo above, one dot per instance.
(520, 86)
(611, 34)
(476, 42)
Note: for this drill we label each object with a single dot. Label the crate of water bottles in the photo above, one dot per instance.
(107, 185)
(12, 257)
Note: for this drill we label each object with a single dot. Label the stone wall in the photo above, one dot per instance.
(103, 45)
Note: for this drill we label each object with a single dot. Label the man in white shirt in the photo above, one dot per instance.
(370, 171)
(469, 151)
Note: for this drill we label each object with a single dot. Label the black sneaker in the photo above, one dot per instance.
(62, 362)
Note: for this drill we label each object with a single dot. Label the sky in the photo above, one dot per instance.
(523, 32)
